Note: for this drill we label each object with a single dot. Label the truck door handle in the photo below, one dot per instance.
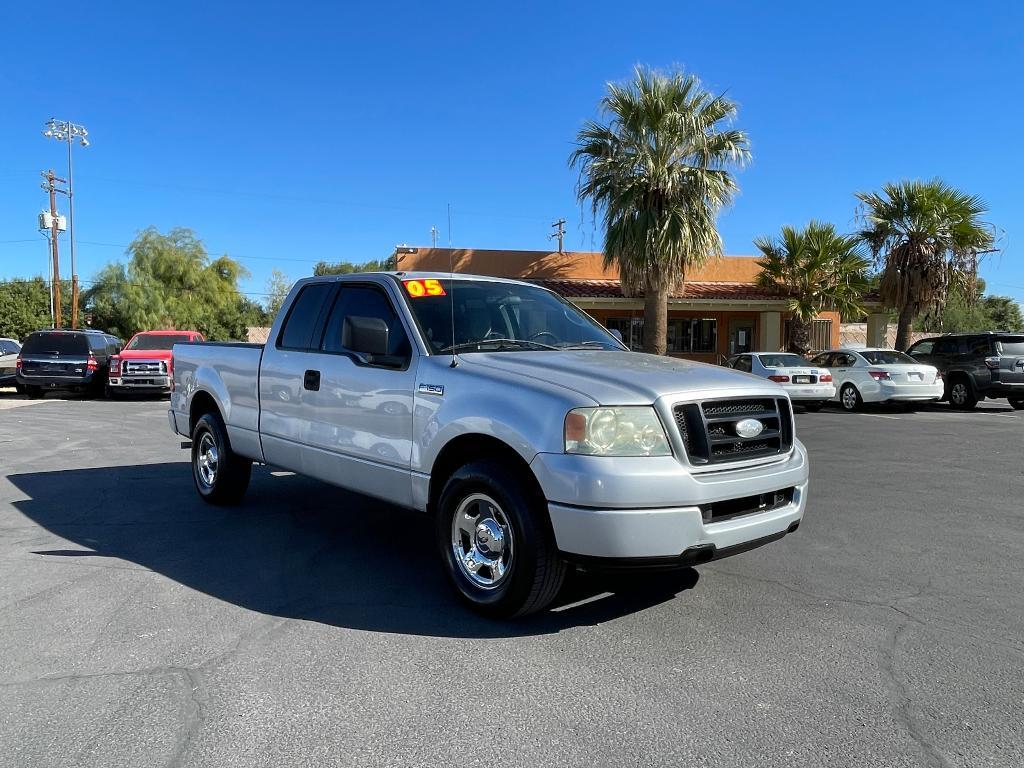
(311, 381)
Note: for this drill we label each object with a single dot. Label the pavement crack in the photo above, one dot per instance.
(193, 714)
(903, 706)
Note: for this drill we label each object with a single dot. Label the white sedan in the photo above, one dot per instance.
(807, 385)
(880, 376)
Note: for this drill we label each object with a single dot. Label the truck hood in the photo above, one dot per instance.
(616, 378)
(145, 354)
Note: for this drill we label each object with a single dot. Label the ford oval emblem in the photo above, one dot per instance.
(749, 428)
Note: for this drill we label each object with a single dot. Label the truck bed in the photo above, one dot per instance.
(232, 370)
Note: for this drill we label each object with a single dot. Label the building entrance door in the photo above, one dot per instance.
(741, 336)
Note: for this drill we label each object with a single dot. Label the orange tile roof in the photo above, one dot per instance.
(713, 291)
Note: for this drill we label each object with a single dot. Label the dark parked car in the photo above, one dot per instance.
(976, 365)
(9, 350)
(75, 360)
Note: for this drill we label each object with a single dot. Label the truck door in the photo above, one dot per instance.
(357, 416)
(286, 359)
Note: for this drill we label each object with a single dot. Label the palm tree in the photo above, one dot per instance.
(819, 270)
(926, 237)
(659, 170)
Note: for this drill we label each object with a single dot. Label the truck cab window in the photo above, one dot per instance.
(365, 301)
(302, 319)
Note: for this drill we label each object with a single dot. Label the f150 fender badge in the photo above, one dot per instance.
(431, 389)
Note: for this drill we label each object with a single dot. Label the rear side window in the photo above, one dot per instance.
(742, 364)
(56, 344)
(976, 347)
(365, 301)
(303, 317)
(1010, 345)
(945, 347)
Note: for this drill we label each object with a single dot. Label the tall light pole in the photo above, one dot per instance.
(66, 131)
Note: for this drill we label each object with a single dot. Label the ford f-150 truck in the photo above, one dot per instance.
(529, 433)
(146, 363)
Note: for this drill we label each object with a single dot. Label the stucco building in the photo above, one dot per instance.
(720, 311)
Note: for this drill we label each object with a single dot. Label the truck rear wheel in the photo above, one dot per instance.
(496, 542)
(220, 475)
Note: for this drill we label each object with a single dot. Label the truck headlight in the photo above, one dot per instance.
(621, 431)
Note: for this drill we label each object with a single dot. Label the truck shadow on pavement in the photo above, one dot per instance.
(297, 548)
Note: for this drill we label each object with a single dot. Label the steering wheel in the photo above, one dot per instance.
(537, 335)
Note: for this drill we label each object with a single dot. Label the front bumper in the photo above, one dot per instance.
(644, 508)
(152, 382)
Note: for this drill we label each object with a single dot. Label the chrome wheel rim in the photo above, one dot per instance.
(207, 460)
(849, 398)
(482, 541)
(959, 394)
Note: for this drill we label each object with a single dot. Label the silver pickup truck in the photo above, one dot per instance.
(530, 434)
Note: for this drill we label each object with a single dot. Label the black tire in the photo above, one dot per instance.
(850, 399)
(109, 393)
(535, 568)
(34, 393)
(961, 393)
(813, 407)
(230, 477)
(1017, 404)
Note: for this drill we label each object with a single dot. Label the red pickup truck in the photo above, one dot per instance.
(145, 364)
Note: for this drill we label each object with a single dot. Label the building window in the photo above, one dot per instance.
(821, 334)
(685, 335)
(632, 330)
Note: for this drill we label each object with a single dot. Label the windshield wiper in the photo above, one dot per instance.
(587, 345)
(514, 343)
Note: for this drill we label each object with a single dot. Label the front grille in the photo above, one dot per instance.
(748, 505)
(708, 429)
(142, 367)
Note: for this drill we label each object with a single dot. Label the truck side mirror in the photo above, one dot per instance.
(365, 335)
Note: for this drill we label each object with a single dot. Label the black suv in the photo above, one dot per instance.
(976, 365)
(75, 360)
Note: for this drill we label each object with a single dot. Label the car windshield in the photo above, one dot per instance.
(782, 361)
(158, 340)
(496, 317)
(886, 357)
(1010, 345)
(56, 344)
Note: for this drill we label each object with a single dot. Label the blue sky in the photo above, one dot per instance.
(283, 134)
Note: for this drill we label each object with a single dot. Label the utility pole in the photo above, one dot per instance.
(66, 131)
(54, 223)
(559, 227)
(433, 237)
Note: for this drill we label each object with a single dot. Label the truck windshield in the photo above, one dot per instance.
(491, 316)
(158, 340)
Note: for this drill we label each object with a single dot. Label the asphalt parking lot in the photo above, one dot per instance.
(139, 627)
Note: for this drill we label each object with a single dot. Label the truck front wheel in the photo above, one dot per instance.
(220, 475)
(496, 542)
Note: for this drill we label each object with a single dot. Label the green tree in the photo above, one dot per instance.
(348, 267)
(171, 282)
(925, 236)
(1003, 313)
(819, 270)
(25, 306)
(278, 286)
(658, 169)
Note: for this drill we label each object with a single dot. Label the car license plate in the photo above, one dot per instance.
(914, 376)
(801, 379)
